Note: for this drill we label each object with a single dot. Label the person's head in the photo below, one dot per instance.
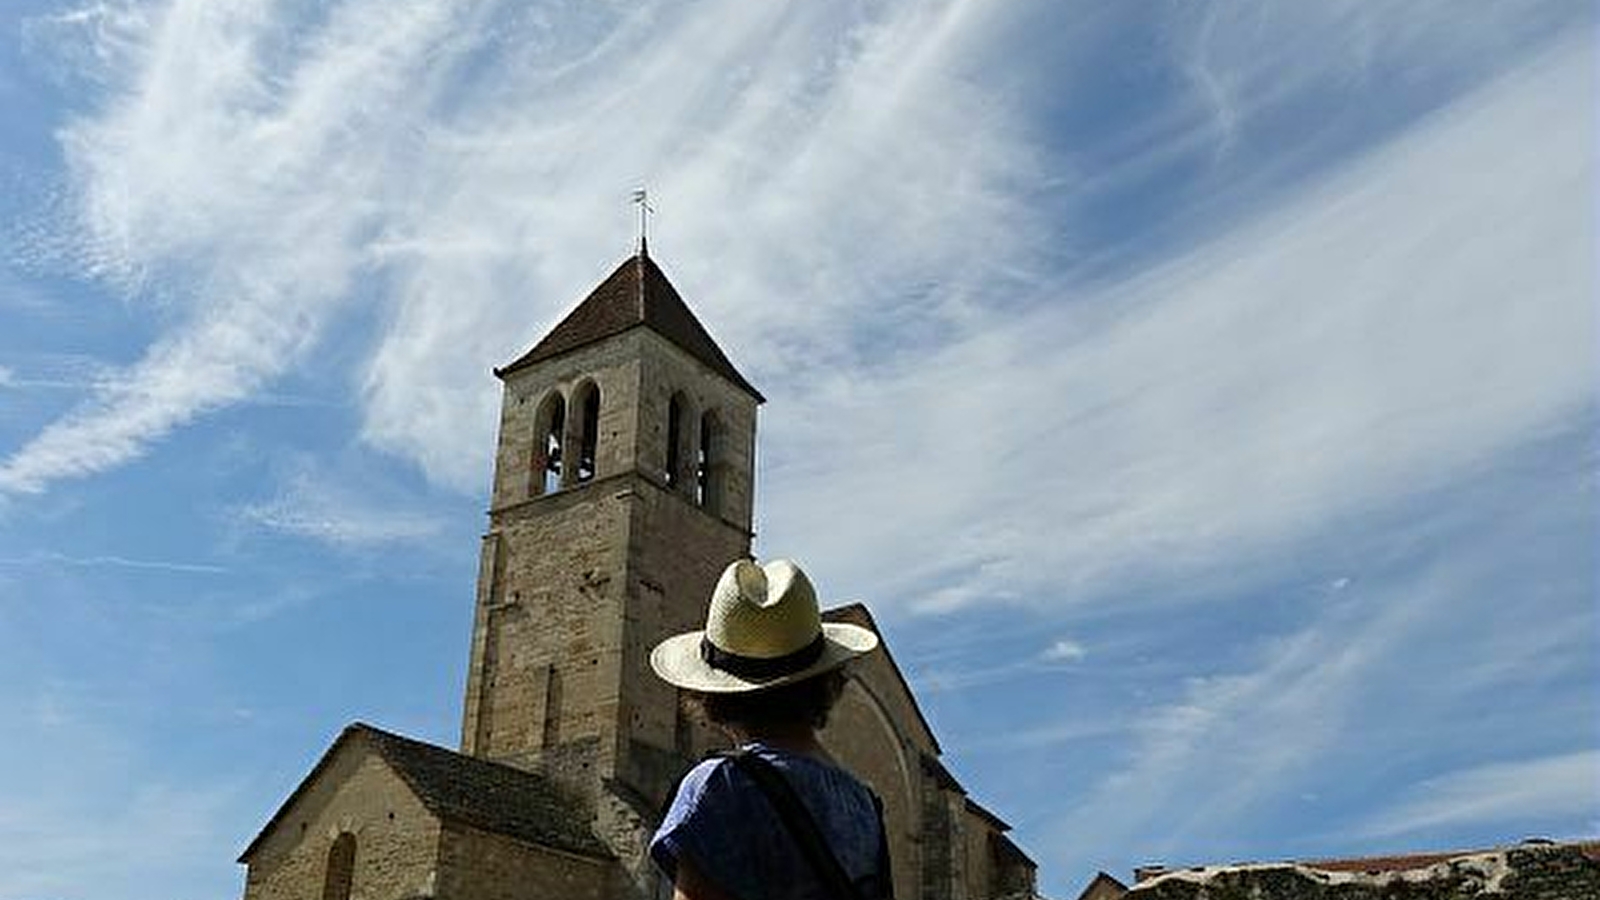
(765, 660)
(787, 708)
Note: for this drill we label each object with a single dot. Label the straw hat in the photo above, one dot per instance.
(762, 630)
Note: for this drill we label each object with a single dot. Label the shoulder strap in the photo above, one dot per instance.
(797, 819)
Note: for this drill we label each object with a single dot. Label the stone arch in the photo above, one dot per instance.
(341, 869)
(549, 431)
(862, 735)
(679, 441)
(711, 466)
(586, 440)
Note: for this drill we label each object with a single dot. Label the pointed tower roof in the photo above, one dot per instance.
(636, 294)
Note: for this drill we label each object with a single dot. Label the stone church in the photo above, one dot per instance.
(623, 484)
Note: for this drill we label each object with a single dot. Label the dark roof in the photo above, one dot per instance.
(941, 776)
(636, 294)
(1117, 888)
(1007, 850)
(995, 822)
(466, 790)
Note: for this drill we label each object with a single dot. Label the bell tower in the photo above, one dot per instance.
(623, 484)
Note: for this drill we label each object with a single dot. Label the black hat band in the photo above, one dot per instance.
(760, 667)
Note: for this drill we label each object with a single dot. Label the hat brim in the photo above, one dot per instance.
(677, 661)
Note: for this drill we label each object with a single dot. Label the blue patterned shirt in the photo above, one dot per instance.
(723, 822)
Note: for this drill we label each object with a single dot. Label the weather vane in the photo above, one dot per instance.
(642, 198)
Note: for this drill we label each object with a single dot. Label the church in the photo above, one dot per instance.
(624, 482)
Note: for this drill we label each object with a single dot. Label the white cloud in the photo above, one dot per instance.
(160, 826)
(803, 165)
(85, 812)
(112, 561)
(1385, 333)
(1246, 57)
(1562, 786)
(256, 173)
(1064, 650)
(1414, 666)
(311, 505)
(215, 183)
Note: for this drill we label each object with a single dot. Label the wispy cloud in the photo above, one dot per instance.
(1563, 786)
(461, 197)
(153, 835)
(1064, 650)
(86, 815)
(310, 505)
(257, 281)
(55, 371)
(250, 190)
(1247, 60)
(893, 248)
(1385, 333)
(1384, 677)
(50, 558)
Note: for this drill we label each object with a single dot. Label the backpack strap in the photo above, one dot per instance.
(797, 819)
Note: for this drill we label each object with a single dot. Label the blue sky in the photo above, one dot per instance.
(1202, 395)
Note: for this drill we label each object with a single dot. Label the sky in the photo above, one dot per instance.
(1201, 395)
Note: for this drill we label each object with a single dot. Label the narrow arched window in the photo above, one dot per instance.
(675, 413)
(341, 868)
(550, 424)
(709, 468)
(588, 430)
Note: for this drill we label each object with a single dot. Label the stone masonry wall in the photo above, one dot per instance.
(543, 676)
(981, 877)
(677, 547)
(396, 837)
(474, 865)
(864, 737)
(1530, 872)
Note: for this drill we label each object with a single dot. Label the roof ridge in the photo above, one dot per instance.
(636, 293)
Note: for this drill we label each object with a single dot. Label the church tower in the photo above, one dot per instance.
(623, 484)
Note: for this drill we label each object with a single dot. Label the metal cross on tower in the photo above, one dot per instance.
(642, 198)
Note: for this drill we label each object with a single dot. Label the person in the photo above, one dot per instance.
(766, 670)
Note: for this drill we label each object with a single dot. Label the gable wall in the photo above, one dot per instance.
(396, 837)
(873, 733)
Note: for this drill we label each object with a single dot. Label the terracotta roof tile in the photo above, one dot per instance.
(636, 294)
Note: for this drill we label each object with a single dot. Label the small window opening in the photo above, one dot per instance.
(551, 425)
(589, 434)
(341, 868)
(674, 440)
(709, 464)
(702, 462)
(552, 707)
